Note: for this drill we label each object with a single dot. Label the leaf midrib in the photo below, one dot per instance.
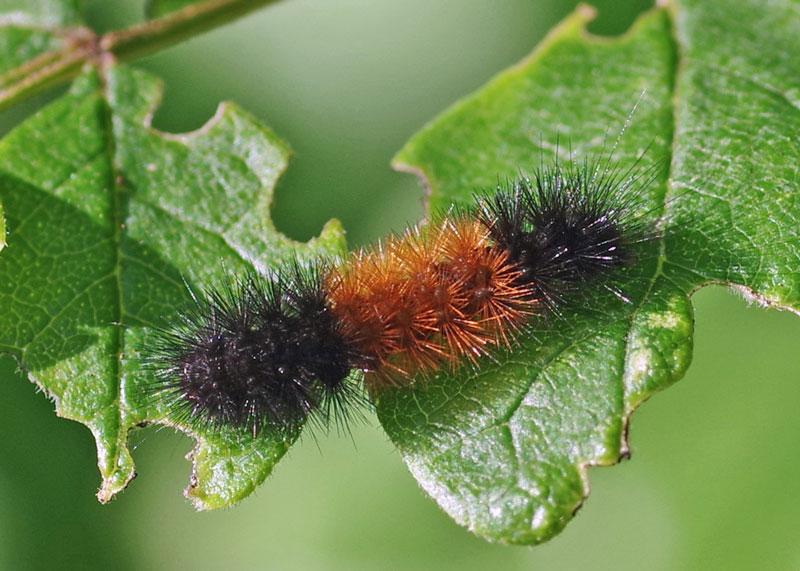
(658, 273)
(116, 186)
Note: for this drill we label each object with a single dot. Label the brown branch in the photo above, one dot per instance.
(82, 46)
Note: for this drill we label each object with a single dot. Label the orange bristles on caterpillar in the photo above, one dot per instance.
(429, 298)
(273, 352)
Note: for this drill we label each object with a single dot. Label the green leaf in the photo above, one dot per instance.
(34, 36)
(43, 44)
(504, 450)
(41, 13)
(737, 147)
(30, 29)
(108, 223)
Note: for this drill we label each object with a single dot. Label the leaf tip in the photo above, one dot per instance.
(196, 496)
(585, 12)
(115, 483)
(194, 491)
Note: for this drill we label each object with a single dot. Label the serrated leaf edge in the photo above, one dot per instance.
(577, 23)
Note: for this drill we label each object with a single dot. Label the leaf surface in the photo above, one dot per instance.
(36, 35)
(505, 449)
(109, 222)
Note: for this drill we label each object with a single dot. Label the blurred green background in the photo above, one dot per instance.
(713, 481)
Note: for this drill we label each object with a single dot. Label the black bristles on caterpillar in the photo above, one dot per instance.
(258, 353)
(565, 225)
(274, 353)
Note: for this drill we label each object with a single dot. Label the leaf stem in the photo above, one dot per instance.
(157, 34)
(85, 47)
(62, 69)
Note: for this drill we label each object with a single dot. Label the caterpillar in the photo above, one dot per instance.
(302, 344)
